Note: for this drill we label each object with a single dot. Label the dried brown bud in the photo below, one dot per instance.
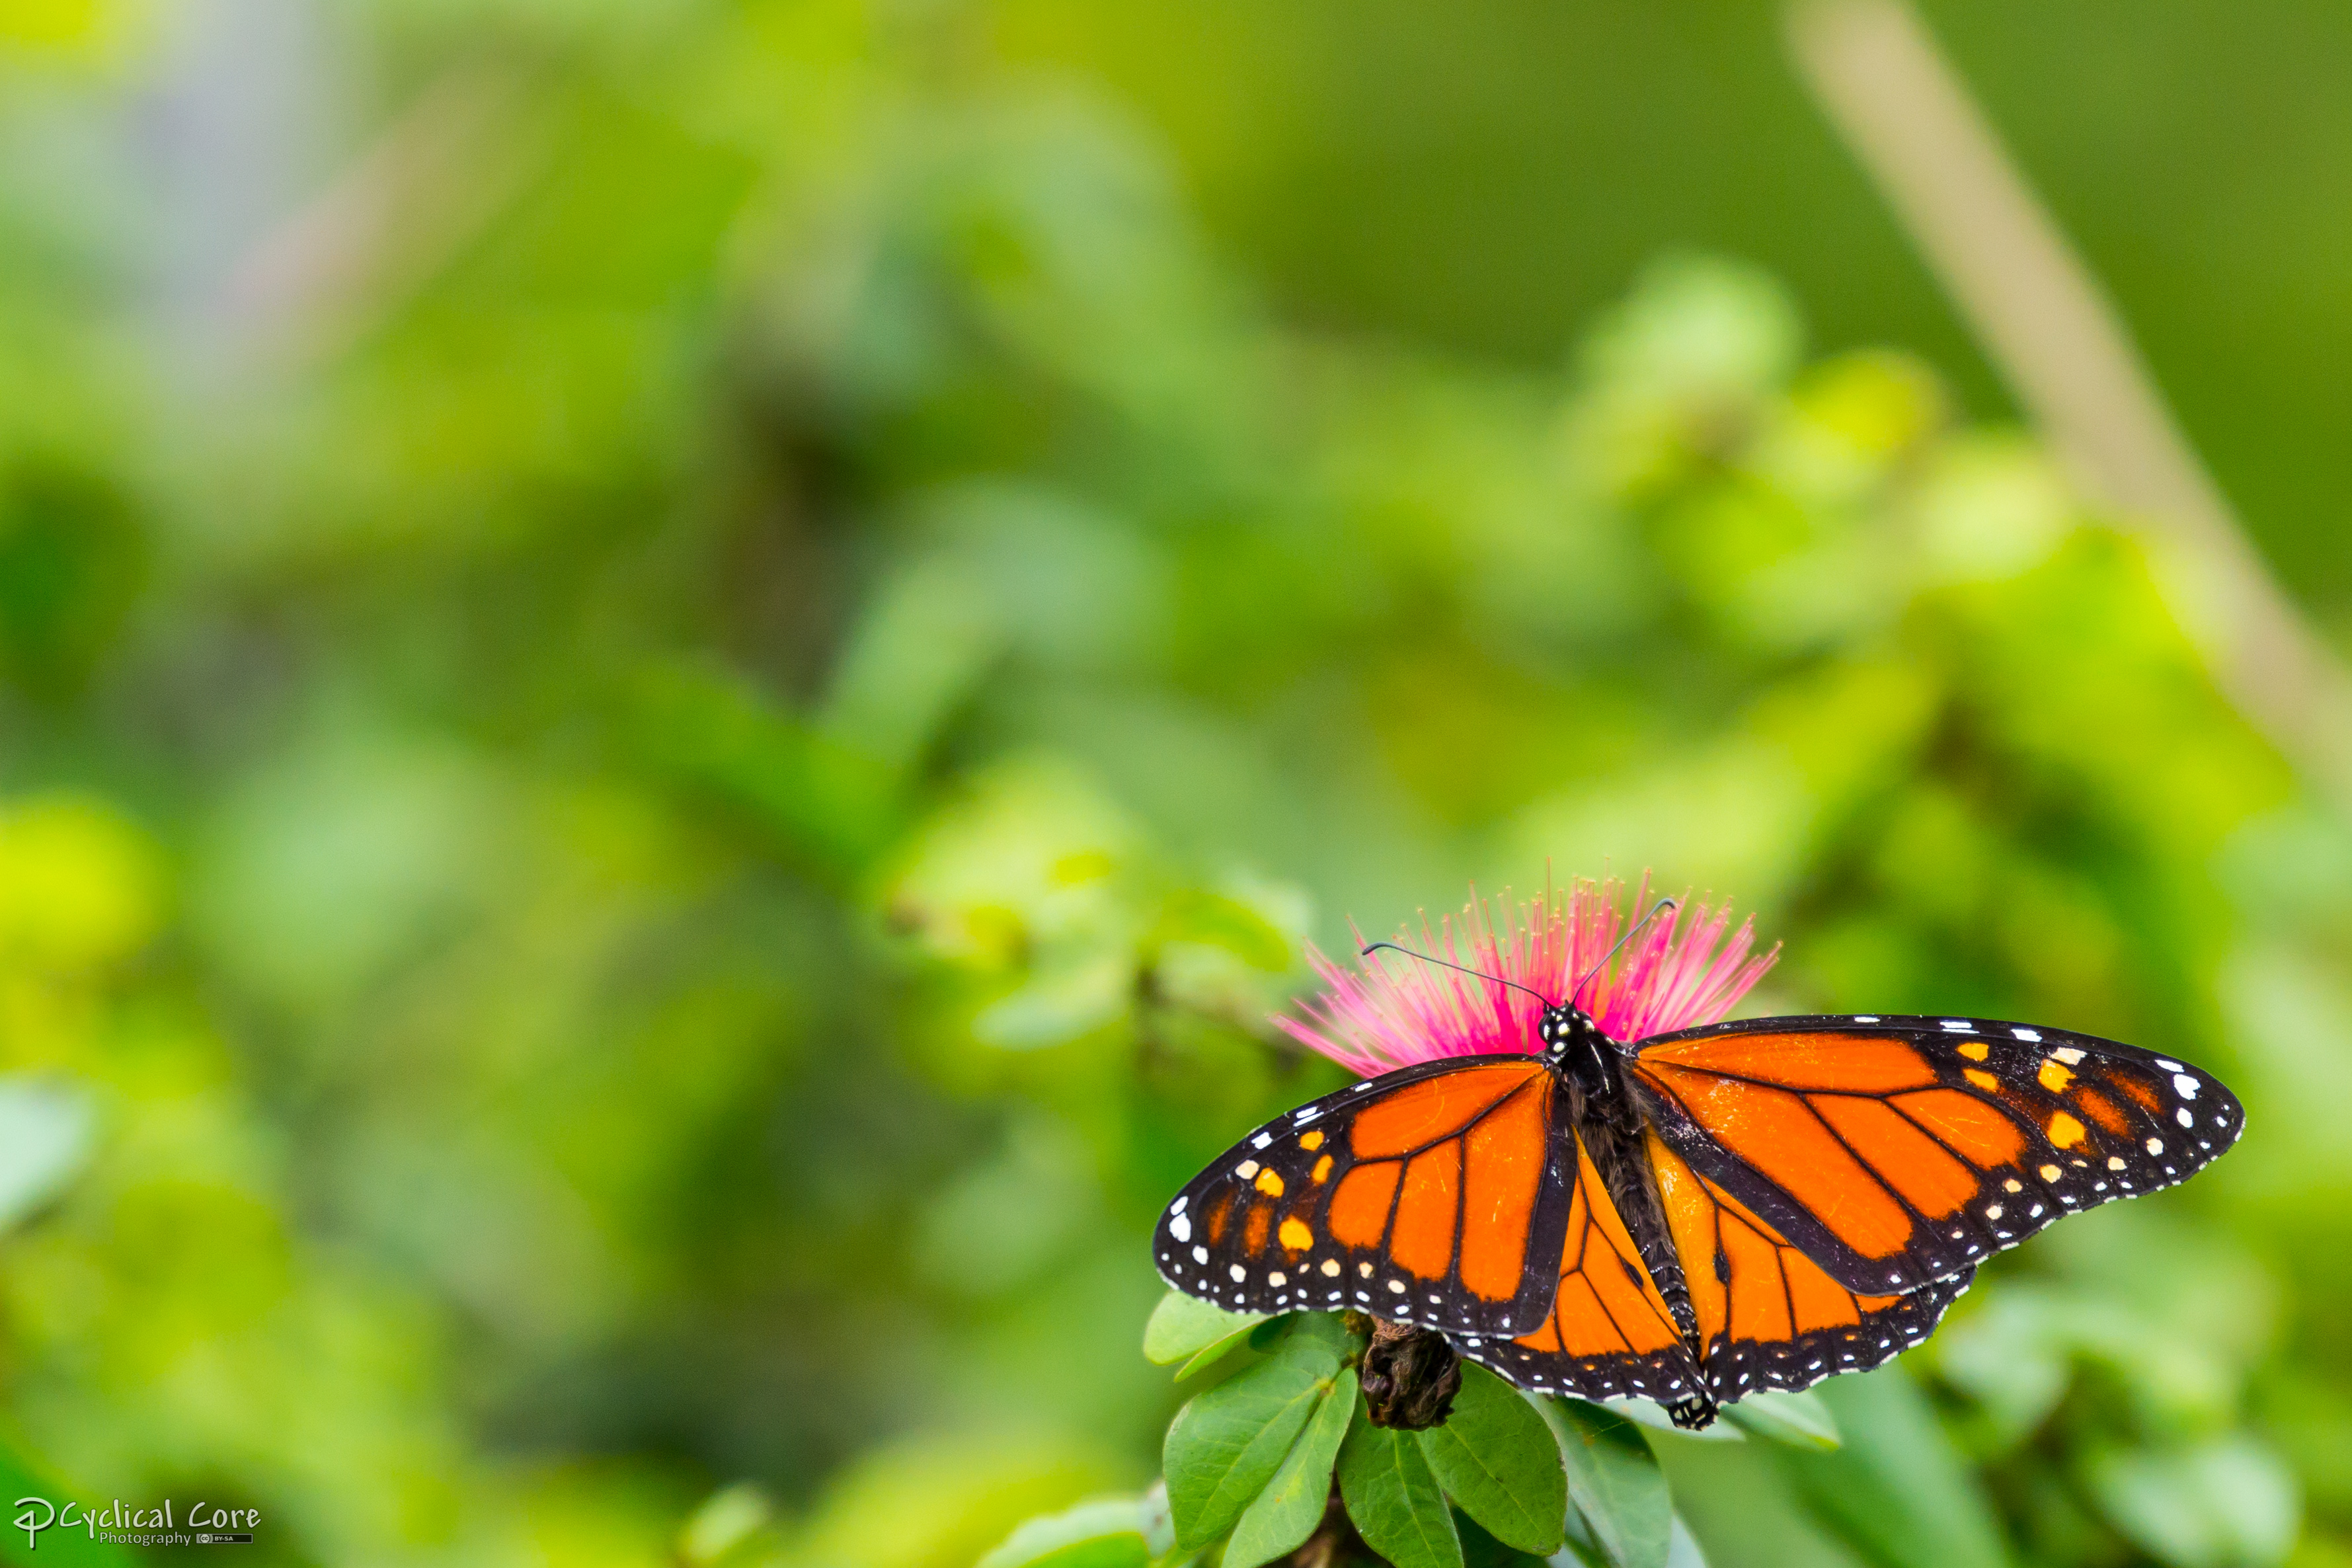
(1410, 1376)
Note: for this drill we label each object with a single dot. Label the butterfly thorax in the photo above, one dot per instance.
(1585, 1057)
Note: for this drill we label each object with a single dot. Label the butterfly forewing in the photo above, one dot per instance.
(1896, 1152)
(1436, 1195)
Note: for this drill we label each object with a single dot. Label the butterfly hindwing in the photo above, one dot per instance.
(1436, 1194)
(1895, 1151)
(1610, 1333)
(1769, 1317)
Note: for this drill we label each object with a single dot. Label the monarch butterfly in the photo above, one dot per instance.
(1691, 1215)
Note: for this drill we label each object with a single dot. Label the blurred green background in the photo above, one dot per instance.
(677, 679)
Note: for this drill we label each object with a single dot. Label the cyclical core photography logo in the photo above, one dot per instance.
(121, 1524)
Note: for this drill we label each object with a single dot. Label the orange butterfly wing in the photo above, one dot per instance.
(1895, 1151)
(1610, 1333)
(1436, 1194)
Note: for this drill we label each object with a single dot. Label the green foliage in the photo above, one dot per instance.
(1286, 1513)
(1803, 1419)
(1393, 1498)
(1183, 1328)
(1228, 1442)
(1250, 1462)
(1497, 1461)
(1614, 1480)
(645, 818)
(1105, 1534)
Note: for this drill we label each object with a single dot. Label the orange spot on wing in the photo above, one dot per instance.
(2054, 1076)
(1983, 1080)
(1504, 1157)
(1981, 1133)
(1402, 1121)
(1975, 1050)
(1358, 1216)
(1221, 1209)
(1864, 1065)
(2144, 1093)
(1423, 1242)
(1322, 1171)
(1293, 1235)
(1907, 1159)
(2103, 1110)
(1269, 1182)
(2064, 1130)
(1312, 1142)
(1254, 1229)
(1774, 1131)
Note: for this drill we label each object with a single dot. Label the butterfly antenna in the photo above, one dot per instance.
(1663, 904)
(1369, 948)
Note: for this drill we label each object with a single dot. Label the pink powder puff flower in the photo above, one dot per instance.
(1394, 1011)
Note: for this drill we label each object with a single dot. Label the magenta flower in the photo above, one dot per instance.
(1392, 1011)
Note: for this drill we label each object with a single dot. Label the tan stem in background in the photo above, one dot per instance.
(428, 184)
(2053, 334)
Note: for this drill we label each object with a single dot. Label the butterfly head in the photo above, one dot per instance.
(1569, 1035)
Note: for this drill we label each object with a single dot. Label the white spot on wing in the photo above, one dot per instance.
(2185, 1085)
(1199, 1255)
(1959, 1025)
(1181, 1228)
(1247, 1169)
(2035, 1035)
(1239, 1273)
(1261, 1139)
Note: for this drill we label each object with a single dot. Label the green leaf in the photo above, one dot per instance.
(1198, 915)
(1228, 1441)
(1158, 1529)
(1106, 1533)
(1497, 1460)
(1897, 1490)
(1683, 1552)
(1615, 1481)
(1393, 1497)
(2226, 1502)
(1286, 1512)
(1480, 1550)
(1650, 1414)
(1801, 1420)
(1183, 1326)
(44, 1130)
(731, 1517)
(1244, 1335)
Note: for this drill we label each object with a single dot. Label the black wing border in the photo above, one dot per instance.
(1177, 1256)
